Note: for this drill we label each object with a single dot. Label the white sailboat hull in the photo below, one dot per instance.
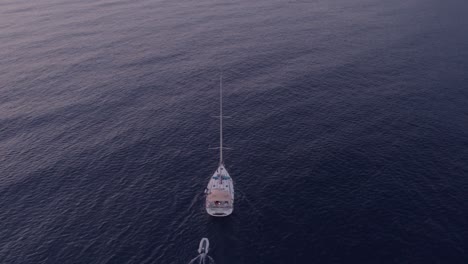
(220, 189)
(220, 193)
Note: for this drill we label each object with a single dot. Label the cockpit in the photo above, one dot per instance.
(219, 199)
(221, 203)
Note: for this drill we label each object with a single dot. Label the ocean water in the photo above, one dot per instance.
(348, 128)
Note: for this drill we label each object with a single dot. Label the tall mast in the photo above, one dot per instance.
(221, 161)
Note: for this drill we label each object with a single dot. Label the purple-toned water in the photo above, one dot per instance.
(349, 130)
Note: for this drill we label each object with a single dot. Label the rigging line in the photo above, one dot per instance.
(221, 161)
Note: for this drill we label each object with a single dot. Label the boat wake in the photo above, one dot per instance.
(202, 259)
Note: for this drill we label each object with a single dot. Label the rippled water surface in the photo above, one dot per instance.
(349, 130)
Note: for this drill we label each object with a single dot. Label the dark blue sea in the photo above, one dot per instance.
(348, 129)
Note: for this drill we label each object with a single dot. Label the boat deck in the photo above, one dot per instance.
(220, 193)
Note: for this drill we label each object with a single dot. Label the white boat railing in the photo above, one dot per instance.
(212, 205)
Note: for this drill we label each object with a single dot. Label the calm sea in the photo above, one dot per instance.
(348, 128)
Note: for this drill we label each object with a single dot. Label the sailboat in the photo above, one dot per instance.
(220, 189)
